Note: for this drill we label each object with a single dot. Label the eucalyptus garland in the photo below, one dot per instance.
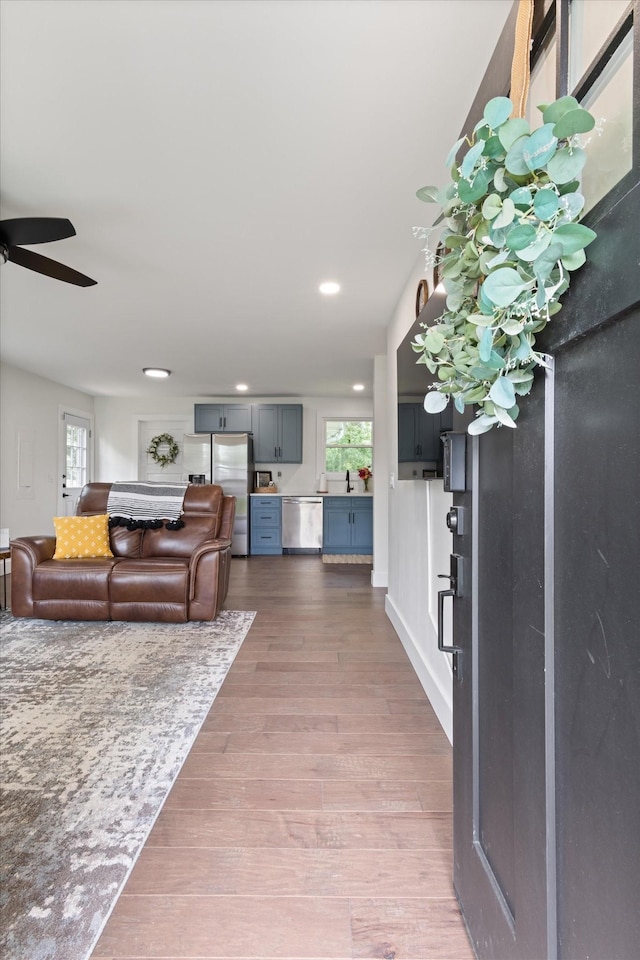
(510, 243)
(168, 444)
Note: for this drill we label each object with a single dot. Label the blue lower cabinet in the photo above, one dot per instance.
(266, 525)
(348, 525)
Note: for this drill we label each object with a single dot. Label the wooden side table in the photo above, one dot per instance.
(4, 556)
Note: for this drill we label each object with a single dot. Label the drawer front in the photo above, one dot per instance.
(265, 518)
(265, 503)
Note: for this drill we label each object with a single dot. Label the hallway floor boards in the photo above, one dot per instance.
(312, 818)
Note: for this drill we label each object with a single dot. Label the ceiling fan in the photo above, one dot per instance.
(13, 233)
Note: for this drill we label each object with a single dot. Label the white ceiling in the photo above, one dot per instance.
(218, 159)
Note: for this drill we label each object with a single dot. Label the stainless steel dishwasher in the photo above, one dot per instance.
(302, 524)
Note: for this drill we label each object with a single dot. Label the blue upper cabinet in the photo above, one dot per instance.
(222, 418)
(277, 433)
(419, 432)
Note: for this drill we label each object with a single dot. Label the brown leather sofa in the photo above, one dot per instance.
(155, 575)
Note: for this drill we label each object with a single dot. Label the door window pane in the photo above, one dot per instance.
(542, 86)
(76, 455)
(591, 22)
(610, 145)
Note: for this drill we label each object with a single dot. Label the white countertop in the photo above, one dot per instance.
(284, 493)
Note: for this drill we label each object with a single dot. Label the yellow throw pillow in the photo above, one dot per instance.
(78, 537)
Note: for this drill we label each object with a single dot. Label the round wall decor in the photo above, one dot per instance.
(163, 449)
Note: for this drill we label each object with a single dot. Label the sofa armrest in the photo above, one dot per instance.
(209, 578)
(206, 549)
(26, 554)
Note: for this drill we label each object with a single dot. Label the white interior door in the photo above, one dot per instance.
(76, 461)
(150, 471)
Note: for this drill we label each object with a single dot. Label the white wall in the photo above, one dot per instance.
(419, 540)
(30, 444)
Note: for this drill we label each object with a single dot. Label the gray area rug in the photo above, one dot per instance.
(97, 719)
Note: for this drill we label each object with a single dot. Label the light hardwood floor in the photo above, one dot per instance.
(312, 818)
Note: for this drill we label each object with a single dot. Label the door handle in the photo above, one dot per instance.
(445, 648)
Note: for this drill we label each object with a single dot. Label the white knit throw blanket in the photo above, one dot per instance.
(146, 501)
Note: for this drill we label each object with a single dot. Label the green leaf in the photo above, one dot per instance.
(522, 197)
(546, 262)
(520, 376)
(452, 153)
(566, 164)
(540, 147)
(545, 204)
(502, 393)
(514, 161)
(572, 122)
(470, 192)
(556, 110)
(521, 236)
(486, 344)
(469, 161)
(569, 187)
(573, 261)
(491, 206)
(571, 204)
(475, 395)
(512, 325)
(428, 194)
(497, 111)
(480, 320)
(535, 249)
(499, 180)
(505, 418)
(493, 148)
(573, 237)
(512, 131)
(481, 425)
(435, 402)
(434, 341)
(523, 352)
(505, 217)
(503, 286)
(459, 404)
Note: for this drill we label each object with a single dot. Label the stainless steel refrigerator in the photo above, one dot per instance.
(226, 459)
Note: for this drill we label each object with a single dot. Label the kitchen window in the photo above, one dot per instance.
(348, 445)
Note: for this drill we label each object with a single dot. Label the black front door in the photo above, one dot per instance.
(547, 691)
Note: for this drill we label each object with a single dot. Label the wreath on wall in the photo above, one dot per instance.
(163, 449)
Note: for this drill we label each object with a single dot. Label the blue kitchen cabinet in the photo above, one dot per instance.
(348, 525)
(222, 418)
(277, 433)
(266, 525)
(419, 432)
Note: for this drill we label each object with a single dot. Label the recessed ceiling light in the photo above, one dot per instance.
(241, 386)
(329, 288)
(158, 372)
(358, 386)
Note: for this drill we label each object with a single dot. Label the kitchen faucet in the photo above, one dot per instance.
(349, 487)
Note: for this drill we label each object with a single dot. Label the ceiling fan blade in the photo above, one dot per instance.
(21, 230)
(50, 268)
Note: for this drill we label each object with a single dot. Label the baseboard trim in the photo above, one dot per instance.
(379, 578)
(441, 700)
